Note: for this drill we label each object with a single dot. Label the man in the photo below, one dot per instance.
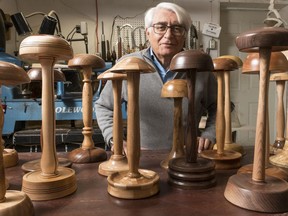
(166, 27)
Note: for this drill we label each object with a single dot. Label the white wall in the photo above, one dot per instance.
(72, 12)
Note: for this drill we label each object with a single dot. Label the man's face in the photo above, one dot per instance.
(168, 44)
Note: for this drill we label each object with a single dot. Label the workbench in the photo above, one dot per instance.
(92, 198)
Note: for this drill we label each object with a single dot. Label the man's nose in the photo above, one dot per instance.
(168, 33)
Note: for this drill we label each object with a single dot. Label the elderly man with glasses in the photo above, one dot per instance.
(166, 26)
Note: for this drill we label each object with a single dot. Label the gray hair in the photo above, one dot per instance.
(182, 15)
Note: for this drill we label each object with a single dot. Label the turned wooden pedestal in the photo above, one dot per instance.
(87, 153)
(10, 157)
(118, 161)
(224, 159)
(11, 202)
(258, 191)
(281, 156)
(191, 172)
(51, 181)
(135, 183)
(278, 63)
(176, 89)
(228, 143)
(35, 75)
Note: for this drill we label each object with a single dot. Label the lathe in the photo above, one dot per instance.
(22, 108)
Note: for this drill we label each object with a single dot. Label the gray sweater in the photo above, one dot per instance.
(156, 113)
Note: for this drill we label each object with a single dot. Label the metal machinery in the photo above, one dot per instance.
(22, 108)
(22, 104)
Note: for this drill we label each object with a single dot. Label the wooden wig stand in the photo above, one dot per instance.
(277, 64)
(191, 172)
(176, 89)
(118, 161)
(224, 159)
(51, 181)
(135, 183)
(228, 143)
(12, 202)
(280, 79)
(258, 191)
(35, 75)
(280, 159)
(88, 153)
(10, 157)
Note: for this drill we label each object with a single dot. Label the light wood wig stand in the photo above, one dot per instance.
(12, 202)
(176, 89)
(191, 172)
(251, 65)
(280, 159)
(135, 183)
(258, 191)
(51, 181)
(224, 159)
(35, 75)
(118, 161)
(228, 143)
(87, 153)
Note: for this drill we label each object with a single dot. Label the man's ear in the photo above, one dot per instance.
(147, 30)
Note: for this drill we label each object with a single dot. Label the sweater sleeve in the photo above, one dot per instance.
(104, 111)
(211, 107)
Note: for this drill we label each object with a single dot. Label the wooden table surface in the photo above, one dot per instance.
(92, 198)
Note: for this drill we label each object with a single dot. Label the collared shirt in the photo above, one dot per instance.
(166, 75)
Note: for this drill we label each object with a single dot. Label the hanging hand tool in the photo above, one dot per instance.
(108, 52)
(113, 56)
(140, 40)
(119, 42)
(193, 37)
(128, 50)
(103, 44)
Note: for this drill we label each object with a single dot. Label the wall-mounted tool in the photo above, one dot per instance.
(193, 37)
(128, 50)
(119, 44)
(103, 43)
(108, 52)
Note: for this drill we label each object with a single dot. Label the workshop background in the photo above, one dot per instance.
(95, 21)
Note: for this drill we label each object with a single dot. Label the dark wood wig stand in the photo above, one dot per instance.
(258, 191)
(87, 153)
(135, 183)
(191, 172)
(51, 181)
(118, 160)
(12, 202)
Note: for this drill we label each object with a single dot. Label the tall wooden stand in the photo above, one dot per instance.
(88, 153)
(12, 202)
(224, 159)
(251, 65)
(191, 172)
(280, 159)
(118, 161)
(228, 143)
(10, 157)
(135, 183)
(51, 181)
(176, 89)
(35, 75)
(258, 191)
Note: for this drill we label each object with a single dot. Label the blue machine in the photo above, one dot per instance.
(20, 109)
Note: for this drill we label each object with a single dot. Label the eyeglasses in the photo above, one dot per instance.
(161, 29)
